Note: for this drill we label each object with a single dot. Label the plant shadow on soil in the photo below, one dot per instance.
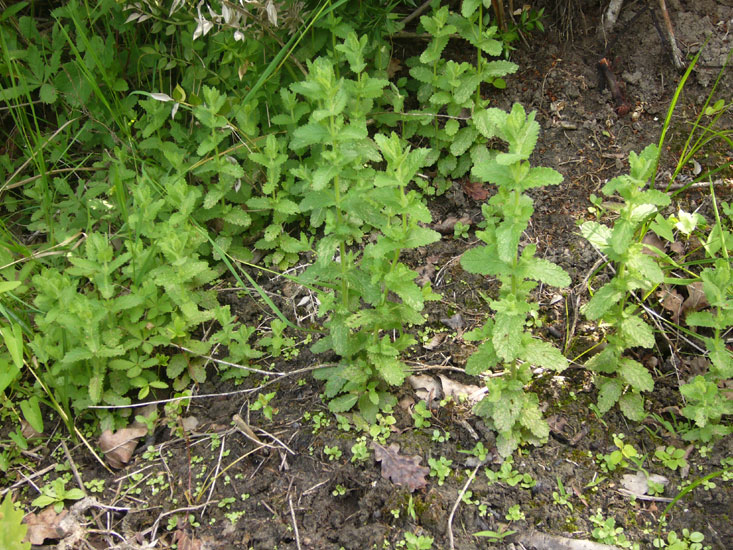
(273, 498)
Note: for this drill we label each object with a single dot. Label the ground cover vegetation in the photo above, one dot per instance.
(158, 152)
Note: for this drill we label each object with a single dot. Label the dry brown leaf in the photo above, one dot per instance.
(118, 446)
(451, 388)
(447, 225)
(455, 322)
(696, 299)
(653, 241)
(698, 366)
(406, 403)
(435, 341)
(190, 423)
(475, 190)
(638, 484)
(185, 542)
(678, 248)
(45, 525)
(401, 470)
(672, 302)
(426, 272)
(426, 387)
(395, 66)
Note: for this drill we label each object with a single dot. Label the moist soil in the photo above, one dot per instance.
(216, 488)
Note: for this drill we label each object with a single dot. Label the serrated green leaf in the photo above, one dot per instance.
(493, 172)
(609, 391)
(401, 281)
(596, 234)
(343, 403)
(468, 7)
(603, 300)
(605, 361)
(483, 260)
(632, 406)
(485, 124)
(507, 336)
(418, 236)
(635, 374)
(95, 388)
(482, 360)
(463, 140)
(531, 418)
(390, 369)
(636, 332)
(541, 176)
(645, 265)
(539, 269)
(543, 354)
(507, 443)
(622, 235)
(308, 134)
(176, 365)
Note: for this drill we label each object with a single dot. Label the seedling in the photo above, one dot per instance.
(671, 457)
(333, 453)
(359, 450)
(415, 542)
(440, 468)
(479, 451)
(55, 493)
(262, 403)
(607, 532)
(421, 414)
(690, 540)
(560, 496)
(515, 513)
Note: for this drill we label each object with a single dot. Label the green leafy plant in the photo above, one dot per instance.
(333, 453)
(671, 457)
(509, 475)
(359, 451)
(418, 542)
(421, 414)
(560, 496)
(690, 540)
(607, 532)
(515, 513)
(56, 493)
(440, 468)
(506, 342)
(624, 454)
(263, 404)
(448, 89)
(360, 287)
(635, 270)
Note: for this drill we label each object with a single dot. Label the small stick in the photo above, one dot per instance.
(622, 107)
(676, 54)
(295, 523)
(458, 501)
(419, 11)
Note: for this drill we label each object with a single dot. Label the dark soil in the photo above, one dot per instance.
(293, 495)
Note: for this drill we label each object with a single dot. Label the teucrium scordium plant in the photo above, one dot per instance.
(635, 270)
(506, 342)
(369, 295)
